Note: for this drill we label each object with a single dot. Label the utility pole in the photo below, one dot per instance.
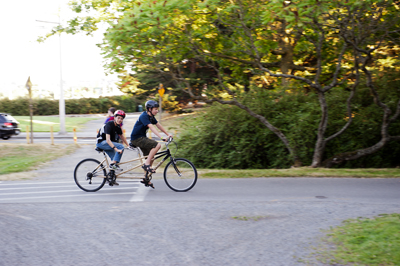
(61, 103)
(61, 100)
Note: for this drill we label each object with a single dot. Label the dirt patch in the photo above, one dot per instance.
(18, 176)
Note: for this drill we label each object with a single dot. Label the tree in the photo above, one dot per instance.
(309, 45)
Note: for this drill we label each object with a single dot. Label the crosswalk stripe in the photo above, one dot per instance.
(58, 191)
(14, 183)
(75, 195)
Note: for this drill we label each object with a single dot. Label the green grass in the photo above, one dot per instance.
(43, 123)
(174, 123)
(302, 172)
(365, 241)
(23, 157)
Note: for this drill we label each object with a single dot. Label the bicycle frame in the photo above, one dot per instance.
(179, 174)
(166, 154)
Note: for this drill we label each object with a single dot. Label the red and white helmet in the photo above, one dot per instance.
(119, 112)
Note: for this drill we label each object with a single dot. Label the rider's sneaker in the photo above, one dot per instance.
(115, 167)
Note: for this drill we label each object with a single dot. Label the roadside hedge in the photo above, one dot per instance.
(20, 106)
(227, 137)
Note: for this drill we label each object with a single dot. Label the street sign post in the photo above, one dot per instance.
(161, 91)
(28, 86)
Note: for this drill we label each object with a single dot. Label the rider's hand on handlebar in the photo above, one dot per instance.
(169, 138)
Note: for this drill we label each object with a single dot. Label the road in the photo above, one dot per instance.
(263, 221)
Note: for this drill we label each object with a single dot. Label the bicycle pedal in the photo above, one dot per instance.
(146, 184)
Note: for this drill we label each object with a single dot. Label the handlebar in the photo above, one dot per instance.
(169, 140)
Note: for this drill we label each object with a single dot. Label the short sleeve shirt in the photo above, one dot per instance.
(109, 119)
(111, 129)
(141, 126)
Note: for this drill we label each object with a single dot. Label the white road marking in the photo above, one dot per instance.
(36, 183)
(75, 195)
(21, 188)
(58, 191)
(15, 215)
(26, 190)
(140, 194)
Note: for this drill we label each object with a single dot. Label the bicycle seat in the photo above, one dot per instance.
(133, 146)
(99, 150)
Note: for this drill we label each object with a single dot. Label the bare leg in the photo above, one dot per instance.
(149, 160)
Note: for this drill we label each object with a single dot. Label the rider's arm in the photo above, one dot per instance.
(109, 142)
(153, 129)
(122, 136)
(163, 129)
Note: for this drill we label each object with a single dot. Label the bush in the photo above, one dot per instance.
(227, 137)
(72, 106)
(169, 104)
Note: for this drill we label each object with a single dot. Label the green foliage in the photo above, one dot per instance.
(228, 137)
(169, 104)
(365, 129)
(226, 50)
(365, 241)
(72, 106)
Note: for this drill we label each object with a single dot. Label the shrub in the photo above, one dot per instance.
(227, 137)
(20, 106)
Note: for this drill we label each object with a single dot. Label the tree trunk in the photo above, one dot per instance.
(349, 156)
(286, 45)
(321, 142)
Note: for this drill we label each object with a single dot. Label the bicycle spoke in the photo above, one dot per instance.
(89, 176)
(181, 175)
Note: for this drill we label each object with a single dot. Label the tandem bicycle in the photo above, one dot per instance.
(179, 174)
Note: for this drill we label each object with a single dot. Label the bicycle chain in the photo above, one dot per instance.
(111, 178)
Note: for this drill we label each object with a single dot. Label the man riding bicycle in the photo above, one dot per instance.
(148, 146)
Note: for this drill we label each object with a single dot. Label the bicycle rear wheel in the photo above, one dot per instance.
(89, 175)
(180, 175)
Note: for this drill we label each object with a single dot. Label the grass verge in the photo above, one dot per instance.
(25, 157)
(365, 241)
(302, 172)
(43, 123)
(175, 123)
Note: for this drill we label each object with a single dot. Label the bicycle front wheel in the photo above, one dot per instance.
(180, 175)
(90, 175)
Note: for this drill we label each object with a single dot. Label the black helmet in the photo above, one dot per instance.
(151, 104)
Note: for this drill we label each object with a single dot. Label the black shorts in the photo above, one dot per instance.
(145, 144)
